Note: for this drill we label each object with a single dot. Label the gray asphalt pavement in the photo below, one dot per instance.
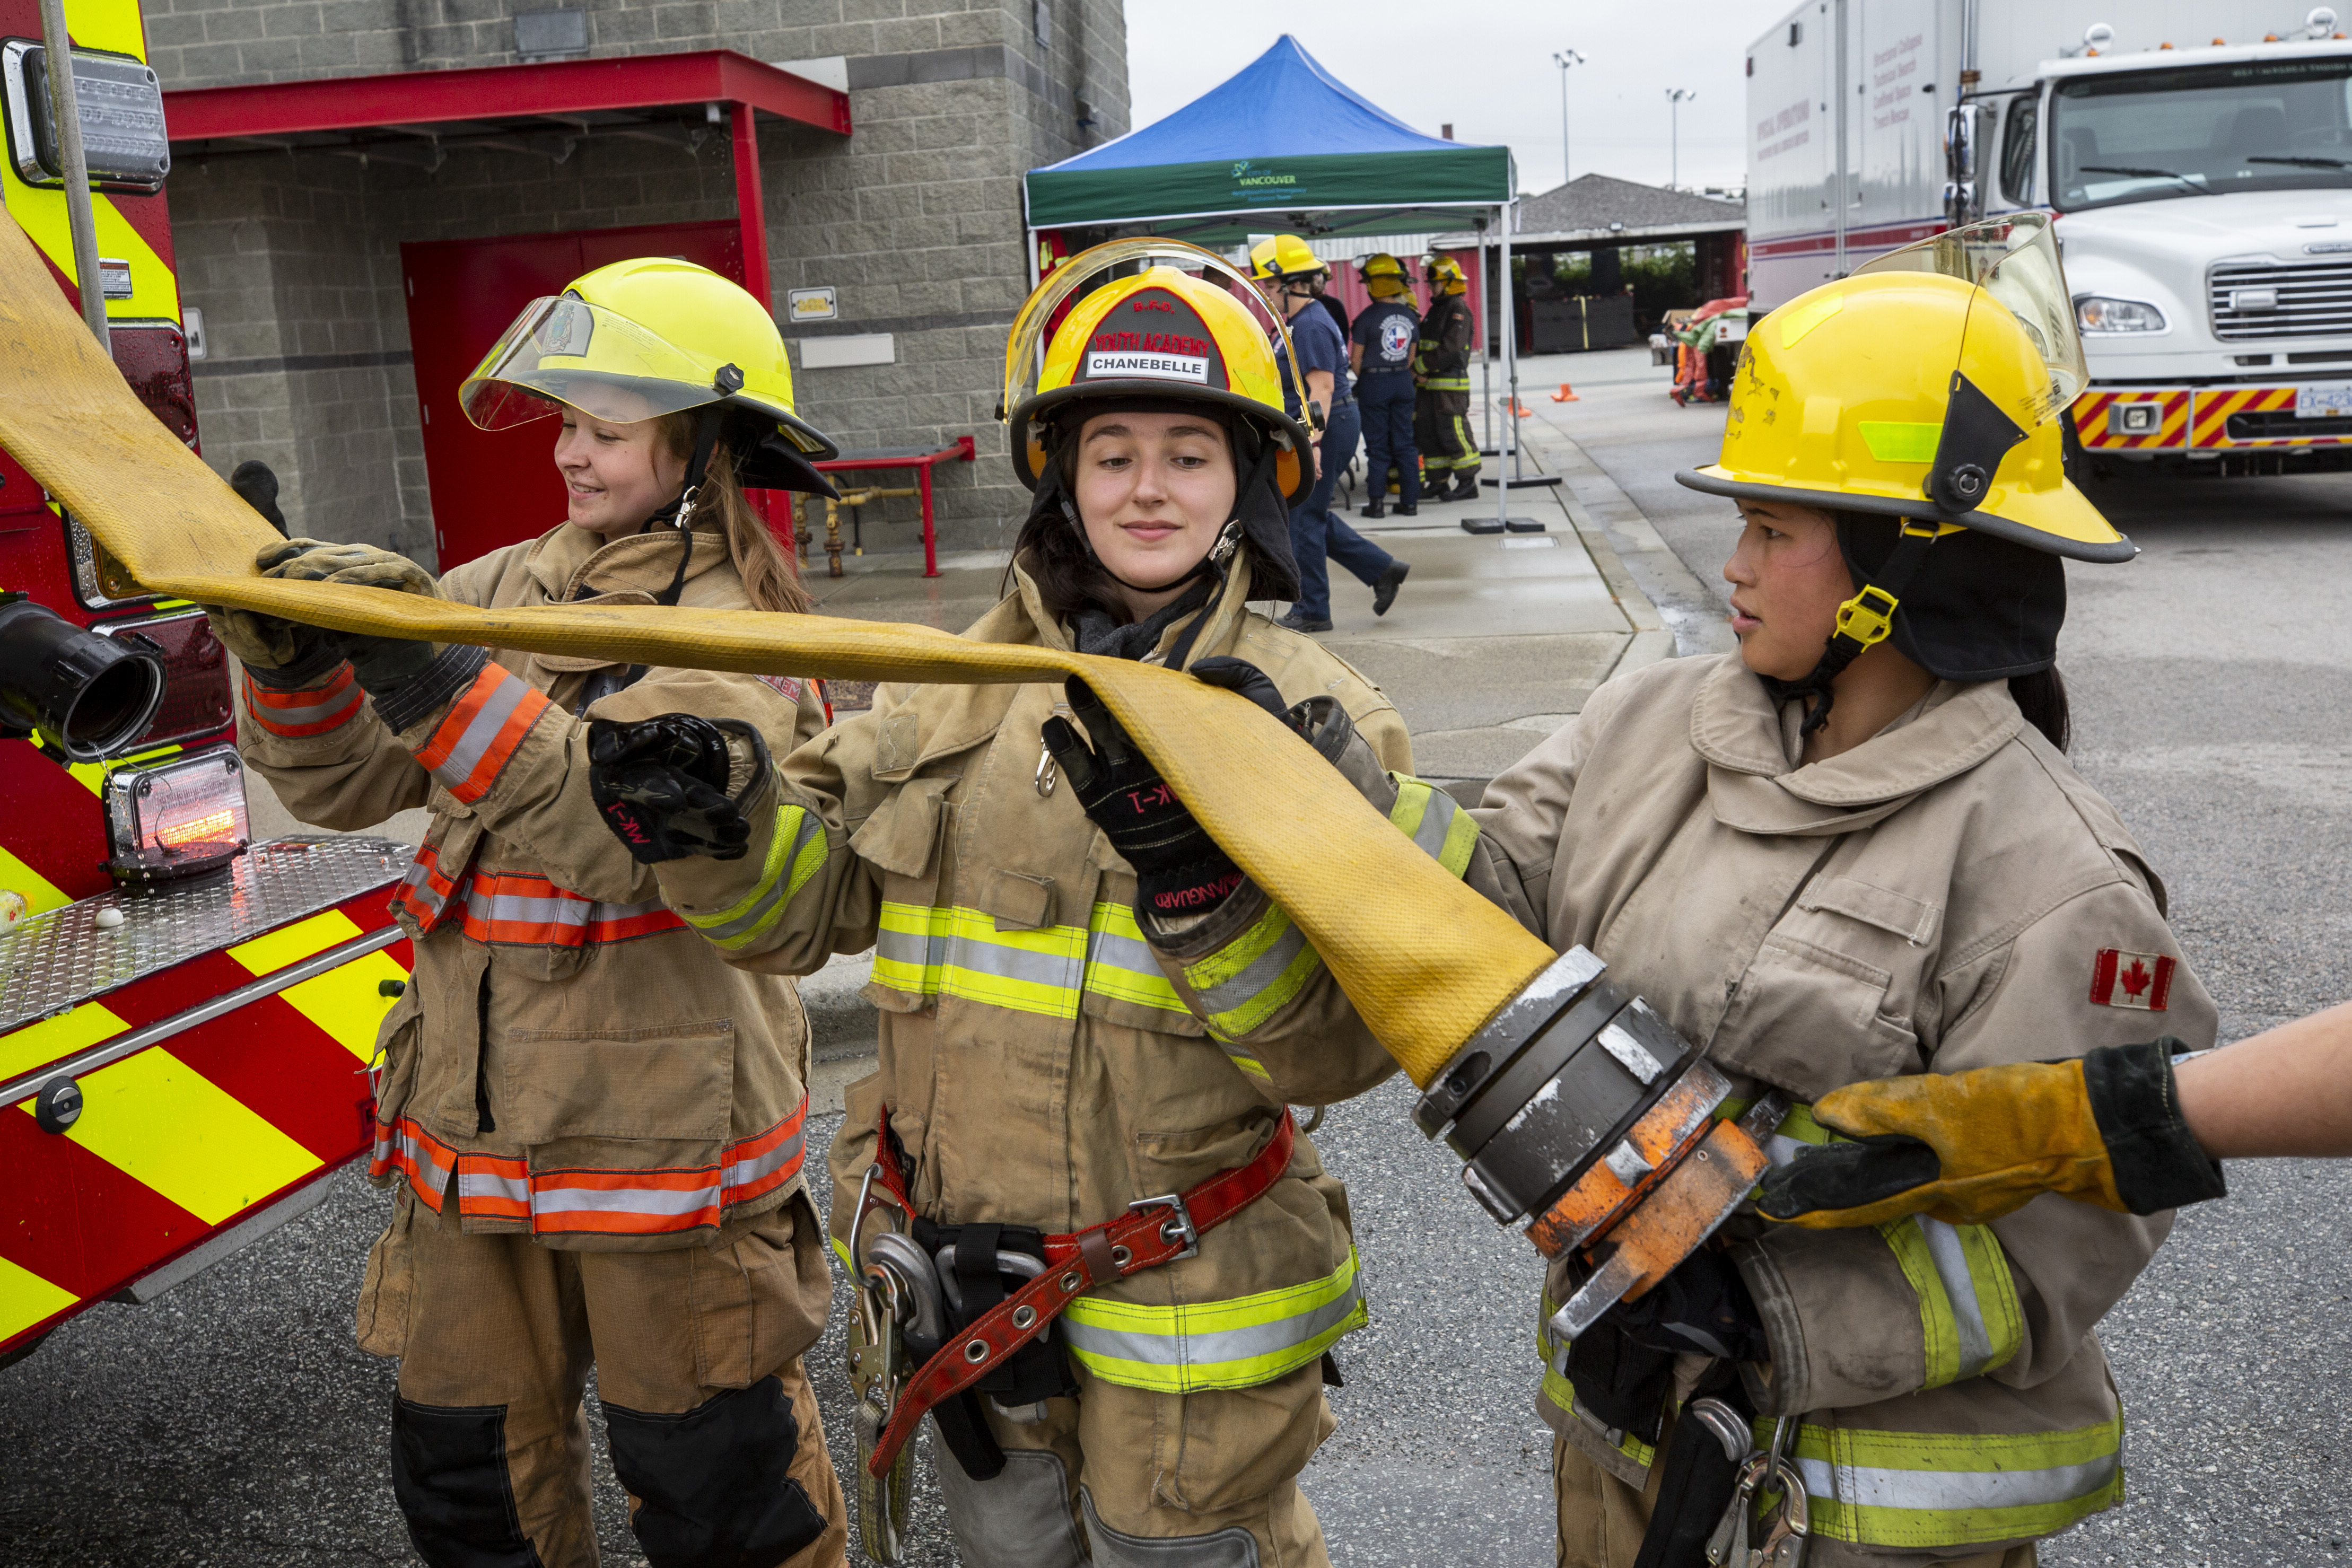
(235, 1423)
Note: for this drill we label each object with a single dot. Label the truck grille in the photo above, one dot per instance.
(2312, 299)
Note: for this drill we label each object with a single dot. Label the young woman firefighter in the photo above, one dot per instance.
(592, 1123)
(1850, 850)
(1067, 965)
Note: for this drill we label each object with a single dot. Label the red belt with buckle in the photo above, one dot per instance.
(1153, 1232)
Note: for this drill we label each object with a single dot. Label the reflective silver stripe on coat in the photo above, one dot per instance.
(1257, 975)
(1216, 1346)
(482, 729)
(741, 1174)
(488, 1183)
(776, 892)
(1960, 1290)
(558, 1200)
(1862, 1486)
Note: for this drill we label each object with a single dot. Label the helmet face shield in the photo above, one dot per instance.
(2014, 260)
(565, 351)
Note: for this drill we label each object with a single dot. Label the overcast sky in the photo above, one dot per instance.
(1486, 66)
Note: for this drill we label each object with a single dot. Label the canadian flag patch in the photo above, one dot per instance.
(2121, 979)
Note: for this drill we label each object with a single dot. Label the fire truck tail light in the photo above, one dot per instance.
(177, 819)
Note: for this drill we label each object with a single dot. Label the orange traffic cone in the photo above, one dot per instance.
(1566, 394)
(1513, 405)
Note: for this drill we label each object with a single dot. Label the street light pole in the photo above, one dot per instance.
(1563, 59)
(1675, 97)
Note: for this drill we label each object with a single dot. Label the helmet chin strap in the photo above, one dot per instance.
(1862, 622)
(679, 514)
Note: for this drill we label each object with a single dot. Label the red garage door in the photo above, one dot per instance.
(492, 488)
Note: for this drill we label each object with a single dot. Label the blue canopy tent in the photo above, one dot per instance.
(1281, 146)
(1284, 144)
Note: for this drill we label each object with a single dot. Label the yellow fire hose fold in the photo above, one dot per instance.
(1425, 960)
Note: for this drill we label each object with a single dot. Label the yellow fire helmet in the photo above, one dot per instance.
(1928, 385)
(1444, 272)
(641, 338)
(1383, 274)
(1284, 257)
(1152, 319)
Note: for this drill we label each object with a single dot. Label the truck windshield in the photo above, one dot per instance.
(2255, 125)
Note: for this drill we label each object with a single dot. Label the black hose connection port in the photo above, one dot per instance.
(87, 695)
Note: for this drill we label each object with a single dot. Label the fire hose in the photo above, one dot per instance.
(1573, 1105)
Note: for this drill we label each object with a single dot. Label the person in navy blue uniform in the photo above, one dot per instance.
(1286, 269)
(1381, 352)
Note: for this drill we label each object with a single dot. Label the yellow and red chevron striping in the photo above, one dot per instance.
(194, 1131)
(2093, 419)
(2215, 405)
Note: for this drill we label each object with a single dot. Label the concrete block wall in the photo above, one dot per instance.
(915, 218)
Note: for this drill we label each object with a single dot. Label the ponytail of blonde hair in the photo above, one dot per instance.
(770, 580)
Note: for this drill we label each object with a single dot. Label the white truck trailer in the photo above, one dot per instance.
(2198, 154)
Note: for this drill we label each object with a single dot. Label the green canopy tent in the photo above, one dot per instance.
(1282, 147)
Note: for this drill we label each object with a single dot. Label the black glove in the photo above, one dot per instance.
(661, 785)
(1703, 1306)
(1179, 868)
(382, 665)
(1246, 679)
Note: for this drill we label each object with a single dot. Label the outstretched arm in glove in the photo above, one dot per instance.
(2122, 1129)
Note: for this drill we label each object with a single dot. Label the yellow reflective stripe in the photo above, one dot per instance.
(159, 1121)
(347, 1003)
(1929, 1490)
(1435, 820)
(292, 943)
(1252, 976)
(1970, 1321)
(1234, 1343)
(1120, 964)
(26, 1298)
(38, 1044)
(796, 852)
(960, 952)
(841, 1250)
(40, 893)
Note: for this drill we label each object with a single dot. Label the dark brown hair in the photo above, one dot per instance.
(2041, 698)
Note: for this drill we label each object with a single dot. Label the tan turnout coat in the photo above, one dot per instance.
(1936, 899)
(569, 1060)
(1040, 1065)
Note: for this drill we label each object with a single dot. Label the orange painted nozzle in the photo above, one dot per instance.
(1566, 394)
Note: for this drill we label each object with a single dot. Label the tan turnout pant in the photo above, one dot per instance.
(1123, 1478)
(711, 1424)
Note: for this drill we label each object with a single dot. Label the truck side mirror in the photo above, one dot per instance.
(1968, 130)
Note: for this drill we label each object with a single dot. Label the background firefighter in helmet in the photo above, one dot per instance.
(1381, 350)
(1441, 370)
(592, 1124)
(1855, 849)
(1285, 271)
(1084, 1005)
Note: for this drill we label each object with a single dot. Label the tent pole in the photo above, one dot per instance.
(1508, 326)
(1486, 377)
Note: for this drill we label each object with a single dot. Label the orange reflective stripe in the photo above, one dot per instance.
(424, 892)
(416, 1154)
(607, 1202)
(473, 741)
(314, 710)
(530, 911)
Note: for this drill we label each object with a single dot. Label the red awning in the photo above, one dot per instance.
(419, 117)
(558, 91)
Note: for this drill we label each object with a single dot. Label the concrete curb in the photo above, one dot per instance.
(1626, 546)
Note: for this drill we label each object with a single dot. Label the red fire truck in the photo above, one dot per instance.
(185, 1017)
